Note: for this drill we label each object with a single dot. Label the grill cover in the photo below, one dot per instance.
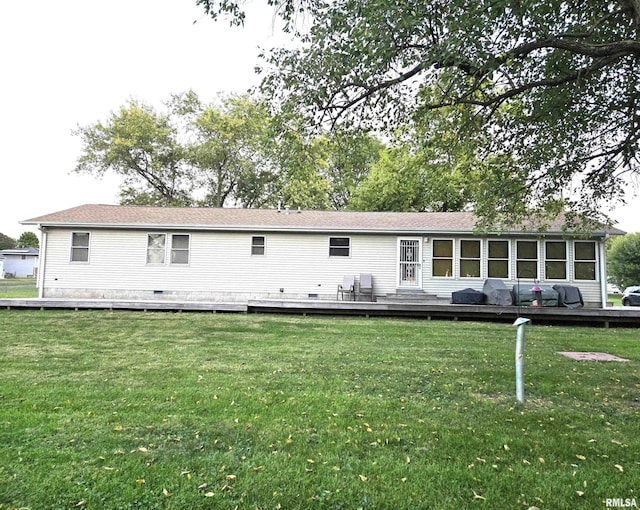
(497, 293)
(569, 296)
(523, 296)
(467, 297)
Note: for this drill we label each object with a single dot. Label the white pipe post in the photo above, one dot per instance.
(521, 322)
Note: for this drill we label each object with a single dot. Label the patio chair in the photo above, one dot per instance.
(366, 286)
(348, 287)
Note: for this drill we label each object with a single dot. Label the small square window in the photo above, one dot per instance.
(339, 247)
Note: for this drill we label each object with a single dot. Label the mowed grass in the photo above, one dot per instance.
(18, 288)
(159, 410)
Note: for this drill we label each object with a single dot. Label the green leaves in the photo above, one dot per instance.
(623, 260)
(548, 87)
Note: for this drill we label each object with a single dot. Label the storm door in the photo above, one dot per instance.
(410, 262)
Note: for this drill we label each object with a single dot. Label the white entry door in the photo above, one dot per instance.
(410, 262)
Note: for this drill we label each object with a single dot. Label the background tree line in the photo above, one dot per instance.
(26, 240)
(236, 152)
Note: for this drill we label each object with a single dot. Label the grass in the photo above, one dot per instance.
(18, 288)
(615, 299)
(156, 410)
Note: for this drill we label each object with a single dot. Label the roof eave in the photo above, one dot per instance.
(426, 231)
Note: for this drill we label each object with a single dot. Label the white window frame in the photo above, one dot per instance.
(164, 249)
(263, 246)
(478, 259)
(536, 260)
(578, 261)
(507, 259)
(556, 261)
(452, 258)
(175, 251)
(348, 247)
(74, 247)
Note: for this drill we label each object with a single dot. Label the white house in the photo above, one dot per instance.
(127, 252)
(20, 262)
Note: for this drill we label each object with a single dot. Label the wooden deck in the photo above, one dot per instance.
(602, 317)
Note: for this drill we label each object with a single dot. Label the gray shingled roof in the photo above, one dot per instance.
(93, 216)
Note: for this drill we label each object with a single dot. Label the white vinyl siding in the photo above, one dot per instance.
(221, 266)
(220, 263)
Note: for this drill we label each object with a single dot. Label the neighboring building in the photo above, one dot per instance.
(126, 252)
(1, 267)
(20, 262)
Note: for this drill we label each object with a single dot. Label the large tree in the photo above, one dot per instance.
(142, 146)
(28, 240)
(555, 83)
(233, 152)
(623, 260)
(6, 242)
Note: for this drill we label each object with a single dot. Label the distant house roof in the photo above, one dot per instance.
(192, 218)
(32, 252)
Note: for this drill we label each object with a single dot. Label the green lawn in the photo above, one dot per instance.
(18, 288)
(158, 410)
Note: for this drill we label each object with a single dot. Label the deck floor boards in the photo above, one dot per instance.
(604, 317)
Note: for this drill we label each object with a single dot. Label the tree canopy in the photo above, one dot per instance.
(233, 152)
(623, 260)
(28, 240)
(550, 87)
(6, 242)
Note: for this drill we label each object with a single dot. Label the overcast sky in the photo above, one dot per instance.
(66, 63)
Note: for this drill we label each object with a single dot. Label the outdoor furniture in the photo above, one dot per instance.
(569, 296)
(523, 295)
(348, 287)
(366, 286)
(496, 293)
(467, 297)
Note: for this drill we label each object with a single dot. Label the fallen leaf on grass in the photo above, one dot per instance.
(580, 493)
(581, 457)
(619, 468)
(141, 480)
(166, 493)
(477, 496)
(363, 478)
(209, 494)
